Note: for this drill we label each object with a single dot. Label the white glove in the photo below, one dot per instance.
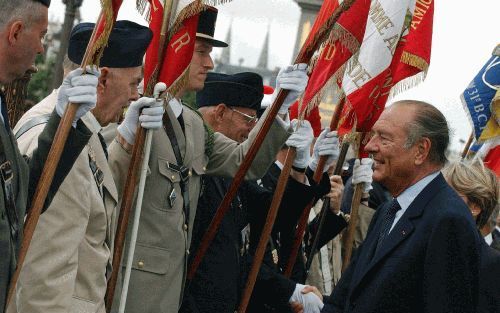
(79, 89)
(327, 144)
(293, 78)
(310, 301)
(362, 173)
(151, 116)
(301, 139)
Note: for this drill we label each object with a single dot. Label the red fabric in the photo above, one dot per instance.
(101, 24)
(368, 102)
(314, 117)
(335, 54)
(492, 160)
(324, 13)
(179, 50)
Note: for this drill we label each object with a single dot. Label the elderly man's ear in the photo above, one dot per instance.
(423, 147)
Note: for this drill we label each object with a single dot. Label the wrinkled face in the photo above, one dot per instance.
(236, 123)
(117, 88)
(26, 42)
(394, 165)
(201, 64)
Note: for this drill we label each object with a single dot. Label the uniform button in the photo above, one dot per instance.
(140, 264)
(173, 177)
(190, 173)
(185, 227)
(187, 252)
(204, 168)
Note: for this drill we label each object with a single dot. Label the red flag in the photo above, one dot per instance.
(345, 40)
(411, 57)
(105, 24)
(173, 69)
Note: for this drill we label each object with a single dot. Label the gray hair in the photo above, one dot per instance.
(429, 123)
(25, 10)
(492, 221)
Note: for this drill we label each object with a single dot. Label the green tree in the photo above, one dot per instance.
(39, 85)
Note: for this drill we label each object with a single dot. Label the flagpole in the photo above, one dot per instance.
(467, 145)
(50, 167)
(304, 56)
(135, 163)
(353, 221)
(304, 217)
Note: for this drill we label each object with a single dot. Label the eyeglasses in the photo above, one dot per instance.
(250, 119)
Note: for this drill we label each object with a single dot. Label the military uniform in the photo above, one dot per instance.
(162, 250)
(24, 181)
(65, 268)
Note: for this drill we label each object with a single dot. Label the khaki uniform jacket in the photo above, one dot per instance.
(161, 253)
(25, 180)
(65, 268)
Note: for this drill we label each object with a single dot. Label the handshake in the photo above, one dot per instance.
(306, 299)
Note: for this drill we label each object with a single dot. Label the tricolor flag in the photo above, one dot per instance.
(396, 45)
(181, 35)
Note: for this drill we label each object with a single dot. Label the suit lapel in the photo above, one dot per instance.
(401, 231)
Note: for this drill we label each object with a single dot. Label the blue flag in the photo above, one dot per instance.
(478, 95)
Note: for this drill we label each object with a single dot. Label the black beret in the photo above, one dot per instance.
(44, 2)
(238, 90)
(206, 27)
(126, 47)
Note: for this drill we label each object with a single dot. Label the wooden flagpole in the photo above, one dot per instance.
(49, 170)
(304, 217)
(467, 145)
(304, 56)
(133, 170)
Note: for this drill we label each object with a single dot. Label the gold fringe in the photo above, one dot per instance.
(345, 37)
(414, 60)
(406, 84)
(98, 46)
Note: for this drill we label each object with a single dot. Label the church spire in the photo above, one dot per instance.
(264, 54)
(225, 57)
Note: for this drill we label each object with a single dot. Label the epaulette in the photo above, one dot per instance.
(209, 132)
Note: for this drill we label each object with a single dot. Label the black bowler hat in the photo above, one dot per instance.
(238, 90)
(126, 47)
(44, 2)
(206, 27)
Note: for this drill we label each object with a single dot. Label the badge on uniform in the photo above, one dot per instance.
(275, 256)
(172, 197)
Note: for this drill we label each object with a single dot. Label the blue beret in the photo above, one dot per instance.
(126, 47)
(238, 90)
(44, 2)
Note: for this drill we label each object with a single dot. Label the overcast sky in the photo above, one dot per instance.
(465, 33)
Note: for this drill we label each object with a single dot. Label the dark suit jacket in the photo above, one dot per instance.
(428, 263)
(489, 282)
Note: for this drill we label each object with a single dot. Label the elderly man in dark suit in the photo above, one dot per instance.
(421, 253)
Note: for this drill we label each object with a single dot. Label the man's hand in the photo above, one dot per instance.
(335, 195)
(293, 78)
(326, 145)
(301, 139)
(362, 173)
(310, 301)
(313, 289)
(151, 116)
(80, 89)
(297, 307)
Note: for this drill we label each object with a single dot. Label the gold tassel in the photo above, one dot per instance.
(98, 46)
(414, 60)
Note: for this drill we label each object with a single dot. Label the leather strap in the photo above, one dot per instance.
(37, 120)
(180, 168)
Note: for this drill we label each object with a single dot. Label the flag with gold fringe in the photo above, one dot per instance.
(179, 46)
(329, 65)
(394, 56)
(481, 99)
(105, 24)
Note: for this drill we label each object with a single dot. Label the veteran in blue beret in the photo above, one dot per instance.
(65, 269)
(23, 25)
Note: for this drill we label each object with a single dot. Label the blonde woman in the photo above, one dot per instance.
(478, 187)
